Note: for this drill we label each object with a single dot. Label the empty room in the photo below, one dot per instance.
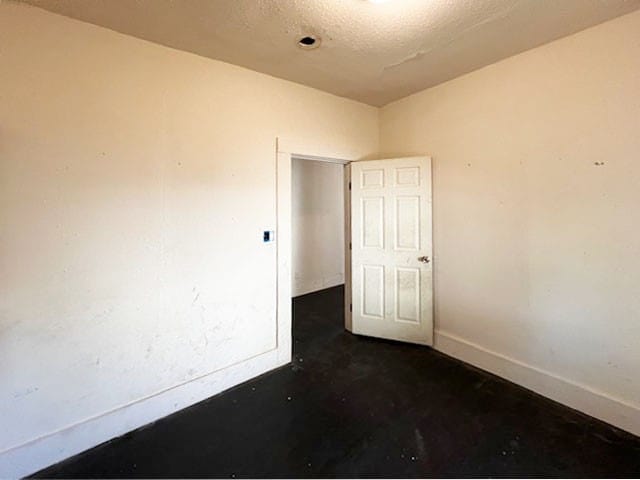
(319, 238)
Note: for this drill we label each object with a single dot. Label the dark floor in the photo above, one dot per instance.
(352, 406)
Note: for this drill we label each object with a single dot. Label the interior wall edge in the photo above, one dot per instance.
(575, 395)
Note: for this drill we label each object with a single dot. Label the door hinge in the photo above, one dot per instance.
(351, 307)
(349, 185)
(350, 246)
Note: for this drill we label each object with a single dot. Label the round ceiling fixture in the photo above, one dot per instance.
(309, 42)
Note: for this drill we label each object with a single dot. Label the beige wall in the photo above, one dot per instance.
(135, 183)
(536, 225)
(317, 226)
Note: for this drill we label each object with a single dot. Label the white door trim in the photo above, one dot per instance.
(285, 154)
(299, 156)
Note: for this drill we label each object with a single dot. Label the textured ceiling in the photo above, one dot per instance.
(371, 52)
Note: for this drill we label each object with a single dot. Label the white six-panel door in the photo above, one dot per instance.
(391, 249)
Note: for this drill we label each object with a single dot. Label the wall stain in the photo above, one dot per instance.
(26, 392)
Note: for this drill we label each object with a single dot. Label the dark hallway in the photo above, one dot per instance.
(351, 406)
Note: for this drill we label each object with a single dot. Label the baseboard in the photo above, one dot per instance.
(580, 397)
(302, 287)
(40, 453)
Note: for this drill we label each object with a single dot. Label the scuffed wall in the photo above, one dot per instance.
(135, 183)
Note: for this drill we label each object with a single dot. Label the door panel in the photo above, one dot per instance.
(391, 280)
(372, 178)
(372, 212)
(373, 291)
(407, 223)
(407, 293)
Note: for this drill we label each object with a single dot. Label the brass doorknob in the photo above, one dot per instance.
(424, 259)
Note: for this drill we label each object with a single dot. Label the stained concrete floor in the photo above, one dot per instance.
(352, 406)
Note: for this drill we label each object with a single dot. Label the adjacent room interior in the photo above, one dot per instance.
(318, 228)
(343, 238)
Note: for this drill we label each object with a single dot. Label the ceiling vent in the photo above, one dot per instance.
(309, 42)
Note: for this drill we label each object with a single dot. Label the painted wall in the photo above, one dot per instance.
(317, 226)
(536, 226)
(135, 183)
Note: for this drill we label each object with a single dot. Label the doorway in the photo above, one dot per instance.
(318, 220)
(389, 294)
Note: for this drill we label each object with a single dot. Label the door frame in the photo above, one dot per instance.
(285, 154)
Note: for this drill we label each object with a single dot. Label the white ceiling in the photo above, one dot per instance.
(371, 52)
